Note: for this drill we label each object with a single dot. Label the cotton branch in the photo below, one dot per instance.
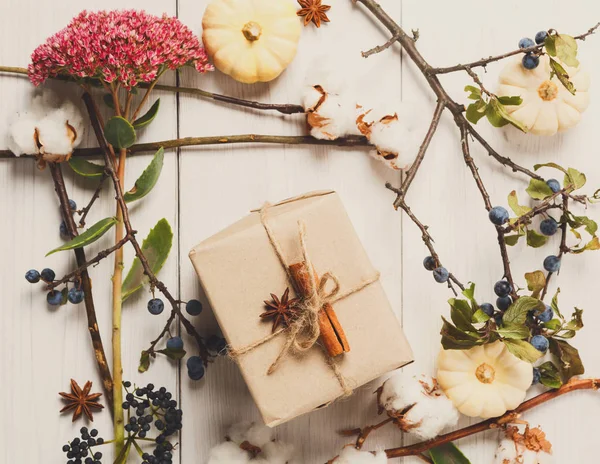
(153, 280)
(61, 191)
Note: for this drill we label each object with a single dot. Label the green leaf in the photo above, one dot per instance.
(562, 75)
(447, 454)
(65, 293)
(87, 237)
(500, 111)
(461, 314)
(119, 132)
(550, 44)
(108, 100)
(513, 331)
(480, 316)
(511, 101)
(536, 281)
(148, 179)
(550, 376)
(475, 92)
(86, 169)
(156, 248)
(536, 240)
(549, 165)
(469, 292)
(517, 312)
(574, 178)
(513, 202)
(576, 322)
(476, 111)
(523, 350)
(148, 117)
(455, 339)
(593, 244)
(554, 304)
(553, 324)
(512, 240)
(173, 354)
(566, 49)
(494, 115)
(144, 362)
(539, 190)
(570, 363)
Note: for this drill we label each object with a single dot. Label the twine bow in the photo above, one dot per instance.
(304, 331)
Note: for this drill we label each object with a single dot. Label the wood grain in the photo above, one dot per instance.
(202, 190)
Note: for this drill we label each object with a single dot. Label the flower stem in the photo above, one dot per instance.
(117, 281)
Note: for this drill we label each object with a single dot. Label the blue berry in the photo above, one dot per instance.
(195, 367)
(75, 295)
(72, 205)
(540, 343)
(552, 263)
(156, 306)
(503, 303)
(175, 344)
(63, 230)
(487, 309)
(547, 315)
(548, 226)
(216, 344)
(537, 376)
(530, 61)
(193, 307)
(502, 288)
(540, 37)
(32, 276)
(498, 215)
(553, 184)
(441, 275)
(429, 263)
(526, 42)
(54, 298)
(47, 275)
(498, 319)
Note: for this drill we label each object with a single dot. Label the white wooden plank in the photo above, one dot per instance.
(43, 348)
(219, 185)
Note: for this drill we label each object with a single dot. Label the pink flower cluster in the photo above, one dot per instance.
(125, 46)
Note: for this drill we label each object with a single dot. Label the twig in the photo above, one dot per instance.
(380, 48)
(418, 448)
(281, 108)
(563, 243)
(96, 259)
(154, 282)
(544, 206)
(351, 141)
(363, 434)
(485, 61)
(84, 212)
(61, 191)
(476, 79)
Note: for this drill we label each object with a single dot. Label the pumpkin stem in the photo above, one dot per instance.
(252, 31)
(485, 373)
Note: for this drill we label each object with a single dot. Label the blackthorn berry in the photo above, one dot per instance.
(72, 205)
(548, 226)
(48, 275)
(503, 303)
(540, 343)
(547, 315)
(54, 297)
(195, 367)
(498, 215)
(536, 376)
(531, 61)
(526, 42)
(175, 344)
(429, 263)
(553, 184)
(552, 263)
(540, 37)
(62, 230)
(487, 309)
(156, 306)
(502, 288)
(193, 307)
(441, 275)
(216, 344)
(32, 276)
(75, 295)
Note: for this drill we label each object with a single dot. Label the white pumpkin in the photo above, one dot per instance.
(548, 107)
(484, 381)
(251, 40)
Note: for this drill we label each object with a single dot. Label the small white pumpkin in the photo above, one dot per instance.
(548, 107)
(251, 40)
(484, 381)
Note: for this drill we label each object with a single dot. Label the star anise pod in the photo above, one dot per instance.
(312, 10)
(81, 401)
(282, 311)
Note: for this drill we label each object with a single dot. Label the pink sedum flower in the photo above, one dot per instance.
(122, 46)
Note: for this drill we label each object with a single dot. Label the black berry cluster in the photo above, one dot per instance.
(80, 450)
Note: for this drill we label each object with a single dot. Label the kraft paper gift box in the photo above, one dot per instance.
(239, 269)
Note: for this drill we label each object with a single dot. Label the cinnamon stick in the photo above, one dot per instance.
(332, 334)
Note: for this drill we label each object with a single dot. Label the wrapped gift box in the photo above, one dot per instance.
(239, 269)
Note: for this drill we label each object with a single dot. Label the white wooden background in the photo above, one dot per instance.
(204, 189)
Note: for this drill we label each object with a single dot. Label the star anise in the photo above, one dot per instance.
(312, 10)
(282, 311)
(81, 401)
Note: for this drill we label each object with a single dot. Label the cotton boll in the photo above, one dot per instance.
(259, 435)
(277, 452)
(328, 114)
(228, 453)
(417, 405)
(523, 445)
(22, 135)
(351, 455)
(237, 432)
